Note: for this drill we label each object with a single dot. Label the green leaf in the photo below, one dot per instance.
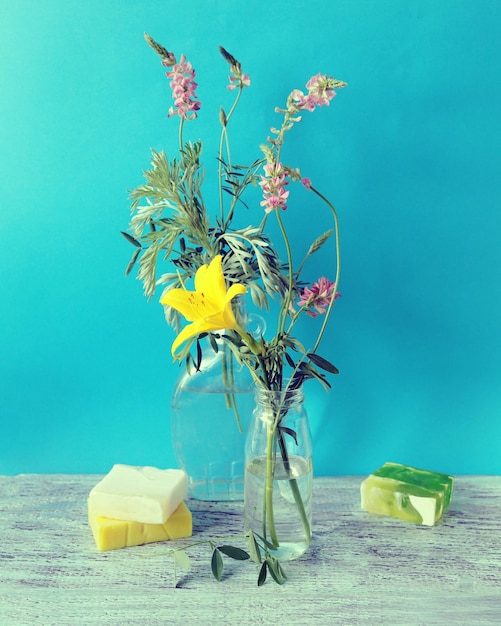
(290, 432)
(234, 553)
(289, 360)
(255, 552)
(281, 570)
(322, 363)
(311, 372)
(266, 543)
(131, 239)
(213, 343)
(217, 564)
(275, 570)
(182, 559)
(261, 579)
(132, 262)
(199, 356)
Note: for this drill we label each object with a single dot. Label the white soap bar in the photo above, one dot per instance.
(139, 494)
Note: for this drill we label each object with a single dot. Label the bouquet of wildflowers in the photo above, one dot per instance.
(172, 225)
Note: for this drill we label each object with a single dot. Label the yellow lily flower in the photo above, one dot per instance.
(208, 307)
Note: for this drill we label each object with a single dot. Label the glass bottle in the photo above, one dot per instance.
(279, 473)
(210, 412)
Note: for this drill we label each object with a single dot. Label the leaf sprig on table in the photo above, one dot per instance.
(258, 552)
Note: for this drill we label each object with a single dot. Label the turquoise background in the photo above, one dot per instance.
(409, 153)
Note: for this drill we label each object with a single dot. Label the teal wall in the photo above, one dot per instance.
(409, 153)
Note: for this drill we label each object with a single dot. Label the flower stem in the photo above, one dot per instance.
(268, 497)
(228, 382)
(338, 268)
(274, 435)
(224, 140)
(295, 489)
(181, 145)
(288, 297)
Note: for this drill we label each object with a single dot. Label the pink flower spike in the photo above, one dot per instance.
(306, 182)
(317, 298)
(183, 87)
(273, 186)
(320, 93)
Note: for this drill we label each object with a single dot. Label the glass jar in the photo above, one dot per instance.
(279, 473)
(210, 413)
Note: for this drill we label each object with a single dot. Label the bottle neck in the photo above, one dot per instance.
(284, 399)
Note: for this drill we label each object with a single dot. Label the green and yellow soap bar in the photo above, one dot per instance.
(407, 493)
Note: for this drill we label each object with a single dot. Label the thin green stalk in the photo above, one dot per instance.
(338, 268)
(228, 381)
(268, 494)
(224, 140)
(336, 283)
(295, 489)
(288, 297)
(268, 514)
(181, 123)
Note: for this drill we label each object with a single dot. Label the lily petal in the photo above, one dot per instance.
(208, 307)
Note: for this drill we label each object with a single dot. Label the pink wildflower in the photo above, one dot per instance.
(306, 182)
(321, 89)
(318, 297)
(320, 93)
(273, 186)
(183, 87)
(238, 79)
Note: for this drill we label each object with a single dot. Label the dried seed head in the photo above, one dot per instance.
(235, 65)
(167, 57)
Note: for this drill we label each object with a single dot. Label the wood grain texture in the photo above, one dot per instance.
(360, 569)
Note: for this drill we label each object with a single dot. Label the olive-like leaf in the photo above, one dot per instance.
(275, 570)
(308, 371)
(322, 363)
(234, 553)
(281, 570)
(199, 356)
(131, 239)
(261, 579)
(133, 260)
(255, 552)
(182, 559)
(213, 343)
(266, 543)
(217, 564)
(290, 432)
(289, 360)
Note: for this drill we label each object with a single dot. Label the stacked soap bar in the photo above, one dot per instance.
(136, 505)
(111, 534)
(407, 493)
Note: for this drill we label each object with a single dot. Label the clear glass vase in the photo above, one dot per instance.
(210, 413)
(279, 473)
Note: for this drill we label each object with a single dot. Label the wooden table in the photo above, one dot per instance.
(360, 569)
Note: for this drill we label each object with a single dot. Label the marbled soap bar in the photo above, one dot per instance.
(407, 493)
(139, 494)
(111, 534)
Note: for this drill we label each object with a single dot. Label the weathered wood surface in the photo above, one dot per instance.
(361, 569)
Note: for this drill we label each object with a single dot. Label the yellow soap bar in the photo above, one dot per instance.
(111, 534)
